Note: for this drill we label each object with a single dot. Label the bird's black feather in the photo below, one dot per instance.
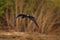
(27, 16)
(34, 20)
(21, 15)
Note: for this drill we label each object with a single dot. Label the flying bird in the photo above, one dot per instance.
(27, 16)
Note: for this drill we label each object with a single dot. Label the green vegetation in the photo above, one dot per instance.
(4, 4)
(43, 10)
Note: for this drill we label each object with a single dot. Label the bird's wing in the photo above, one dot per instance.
(34, 20)
(16, 18)
(25, 16)
(19, 15)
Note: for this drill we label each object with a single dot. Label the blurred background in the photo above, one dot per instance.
(46, 12)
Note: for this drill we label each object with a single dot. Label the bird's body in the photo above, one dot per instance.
(28, 16)
(25, 16)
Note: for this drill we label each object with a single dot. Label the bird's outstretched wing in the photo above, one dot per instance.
(27, 16)
(20, 15)
(34, 20)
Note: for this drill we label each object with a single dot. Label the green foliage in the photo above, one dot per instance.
(2, 2)
(31, 5)
(57, 2)
(5, 4)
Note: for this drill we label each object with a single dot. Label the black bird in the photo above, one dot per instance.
(27, 16)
